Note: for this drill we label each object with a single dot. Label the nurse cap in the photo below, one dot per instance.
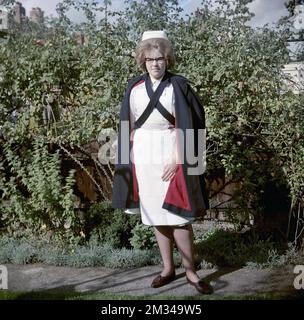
(154, 34)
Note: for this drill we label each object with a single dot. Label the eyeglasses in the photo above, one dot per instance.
(158, 60)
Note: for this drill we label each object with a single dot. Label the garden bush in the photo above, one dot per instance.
(24, 251)
(56, 96)
(224, 248)
(216, 249)
(104, 224)
(143, 237)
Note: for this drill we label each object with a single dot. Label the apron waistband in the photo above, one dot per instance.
(157, 126)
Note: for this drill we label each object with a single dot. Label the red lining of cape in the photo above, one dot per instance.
(134, 178)
(177, 193)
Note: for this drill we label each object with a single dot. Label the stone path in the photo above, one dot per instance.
(136, 282)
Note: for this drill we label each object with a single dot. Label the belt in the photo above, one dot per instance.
(157, 126)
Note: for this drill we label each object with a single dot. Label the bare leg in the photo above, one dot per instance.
(164, 237)
(184, 240)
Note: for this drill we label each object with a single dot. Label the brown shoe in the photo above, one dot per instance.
(160, 281)
(201, 286)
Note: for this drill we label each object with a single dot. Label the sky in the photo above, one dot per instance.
(266, 11)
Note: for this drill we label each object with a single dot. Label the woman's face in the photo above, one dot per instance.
(155, 63)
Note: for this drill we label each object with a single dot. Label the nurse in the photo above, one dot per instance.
(158, 180)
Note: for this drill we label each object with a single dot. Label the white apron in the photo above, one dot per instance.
(154, 145)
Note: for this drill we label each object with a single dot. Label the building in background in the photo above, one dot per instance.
(19, 13)
(294, 72)
(298, 15)
(36, 15)
(4, 21)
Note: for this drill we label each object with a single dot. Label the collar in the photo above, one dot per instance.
(155, 82)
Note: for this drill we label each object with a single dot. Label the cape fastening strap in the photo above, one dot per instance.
(159, 106)
(154, 102)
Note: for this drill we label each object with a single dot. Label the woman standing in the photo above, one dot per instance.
(153, 173)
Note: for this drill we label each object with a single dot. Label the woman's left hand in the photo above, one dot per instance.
(169, 171)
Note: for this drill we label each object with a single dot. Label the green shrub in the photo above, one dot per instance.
(87, 256)
(143, 237)
(230, 249)
(97, 218)
(7, 246)
(202, 236)
(276, 259)
(203, 264)
(52, 256)
(40, 197)
(218, 248)
(111, 226)
(125, 258)
(23, 251)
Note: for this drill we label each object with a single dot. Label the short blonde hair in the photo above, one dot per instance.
(163, 45)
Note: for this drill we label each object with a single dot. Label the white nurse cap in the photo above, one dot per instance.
(154, 34)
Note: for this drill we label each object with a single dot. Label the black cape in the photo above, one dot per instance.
(186, 195)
